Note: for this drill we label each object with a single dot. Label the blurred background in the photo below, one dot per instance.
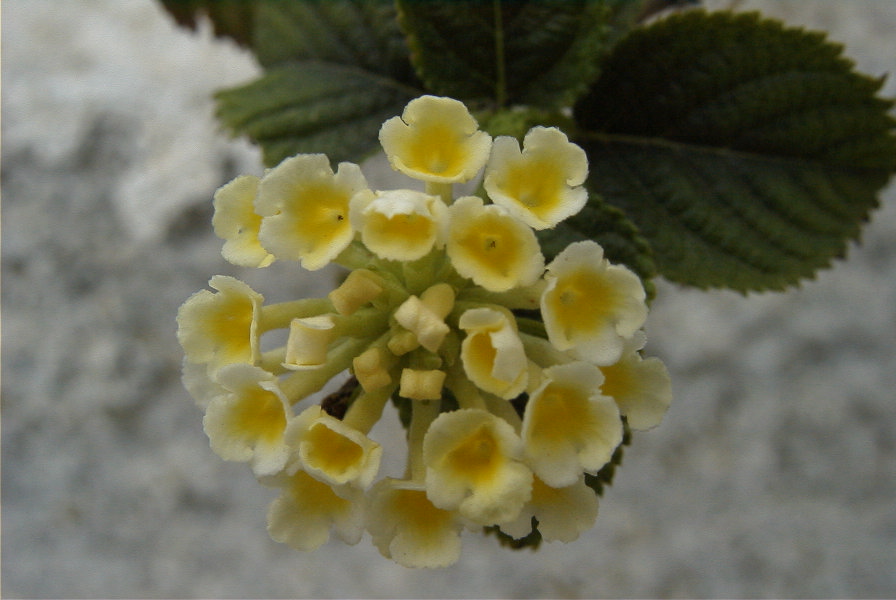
(773, 474)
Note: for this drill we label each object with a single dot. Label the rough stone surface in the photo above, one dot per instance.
(774, 473)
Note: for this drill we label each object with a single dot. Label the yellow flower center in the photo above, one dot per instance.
(259, 416)
(476, 457)
(419, 513)
(330, 451)
(320, 211)
(435, 149)
(537, 189)
(491, 245)
(561, 413)
(583, 302)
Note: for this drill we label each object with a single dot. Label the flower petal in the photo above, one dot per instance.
(494, 249)
(305, 209)
(473, 466)
(247, 422)
(569, 426)
(221, 328)
(589, 306)
(437, 140)
(237, 224)
(542, 185)
(408, 528)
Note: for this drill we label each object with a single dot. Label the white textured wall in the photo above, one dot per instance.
(774, 473)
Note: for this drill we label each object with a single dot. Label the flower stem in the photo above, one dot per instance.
(278, 316)
(423, 414)
(367, 409)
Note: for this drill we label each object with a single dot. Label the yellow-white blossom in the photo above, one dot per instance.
(409, 529)
(246, 422)
(494, 249)
(514, 381)
(474, 465)
(199, 383)
(398, 224)
(332, 451)
(236, 222)
(307, 510)
(492, 353)
(569, 426)
(640, 386)
(220, 328)
(590, 307)
(305, 209)
(562, 513)
(436, 140)
(542, 184)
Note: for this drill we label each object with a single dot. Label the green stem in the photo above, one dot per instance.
(367, 409)
(305, 382)
(542, 352)
(424, 412)
(464, 390)
(442, 190)
(278, 316)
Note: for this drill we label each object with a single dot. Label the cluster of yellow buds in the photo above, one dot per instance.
(508, 411)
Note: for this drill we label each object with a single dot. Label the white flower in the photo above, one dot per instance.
(473, 465)
(568, 425)
(641, 387)
(307, 510)
(398, 224)
(589, 306)
(542, 185)
(562, 513)
(221, 328)
(246, 422)
(494, 249)
(492, 353)
(409, 529)
(235, 222)
(436, 140)
(305, 209)
(332, 451)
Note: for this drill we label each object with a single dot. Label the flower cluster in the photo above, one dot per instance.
(519, 375)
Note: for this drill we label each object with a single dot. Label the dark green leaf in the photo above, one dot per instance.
(504, 53)
(748, 154)
(355, 33)
(335, 70)
(314, 108)
(230, 18)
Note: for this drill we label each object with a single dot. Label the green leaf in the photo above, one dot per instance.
(312, 107)
(749, 154)
(335, 70)
(609, 227)
(503, 53)
(230, 18)
(355, 33)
